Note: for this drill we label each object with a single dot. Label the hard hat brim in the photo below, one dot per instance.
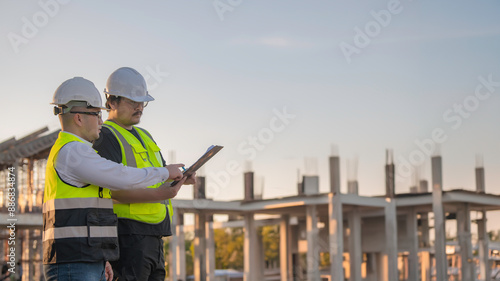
(146, 98)
(101, 107)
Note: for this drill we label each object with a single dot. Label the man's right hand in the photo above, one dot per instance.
(174, 171)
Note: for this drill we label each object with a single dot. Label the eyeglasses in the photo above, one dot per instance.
(98, 113)
(135, 104)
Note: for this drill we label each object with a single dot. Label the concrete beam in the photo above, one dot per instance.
(356, 200)
(467, 197)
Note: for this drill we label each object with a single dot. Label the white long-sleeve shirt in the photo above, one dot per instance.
(78, 164)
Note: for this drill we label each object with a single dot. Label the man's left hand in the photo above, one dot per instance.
(191, 179)
(108, 272)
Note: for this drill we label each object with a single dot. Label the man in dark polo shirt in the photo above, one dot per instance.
(141, 226)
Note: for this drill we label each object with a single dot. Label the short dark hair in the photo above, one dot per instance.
(110, 98)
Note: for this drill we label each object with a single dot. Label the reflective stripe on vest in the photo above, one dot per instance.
(76, 203)
(79, 232)
(76, 217)
(134, 154)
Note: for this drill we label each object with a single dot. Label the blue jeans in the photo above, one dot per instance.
(77, 271)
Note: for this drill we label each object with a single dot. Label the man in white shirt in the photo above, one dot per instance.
(79, 229)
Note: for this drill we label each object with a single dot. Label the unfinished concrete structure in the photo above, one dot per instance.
(366, 238)
(25, 159)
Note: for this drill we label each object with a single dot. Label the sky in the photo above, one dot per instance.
(282, 85)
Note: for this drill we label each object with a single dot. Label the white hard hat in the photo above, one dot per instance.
(127, 82)
(75, 92)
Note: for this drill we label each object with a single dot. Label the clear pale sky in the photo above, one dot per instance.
(278, 83)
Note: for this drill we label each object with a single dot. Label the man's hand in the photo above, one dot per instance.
(108, 272)
(174, 171)
(191, 179)
(168, 192)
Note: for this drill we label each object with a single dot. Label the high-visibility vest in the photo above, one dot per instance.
(135, 155)
(78, 222)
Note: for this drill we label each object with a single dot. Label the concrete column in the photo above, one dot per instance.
(412, 236)
(16, 184)
(390, 260)
(355, 250)
(248, 185)
(38, 255)
(480, 186)
(336, 235)
(483, 241)
(2, 251)
(425, 266)
(26, 252)
(391, 243)
(210, 256)
(424, 230)
(382, 267)
(21, 245)
(423, 186)
(200, 268)
(285, 249)
(294, 237)
(29, 176)
(199, 188)
(334, 174)
(482, 232)
(352, 187)
(390, 185)
(312, 243)
(251, 251)
(180, 252)
(439, 220)
(173, 246)
(464, 240)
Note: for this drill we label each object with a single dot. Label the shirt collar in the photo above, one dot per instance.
(83, 140)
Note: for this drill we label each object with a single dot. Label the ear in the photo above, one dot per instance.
(112, 105)
(77, 118)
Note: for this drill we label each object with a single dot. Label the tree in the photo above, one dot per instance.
(271, 240)
(494, 235)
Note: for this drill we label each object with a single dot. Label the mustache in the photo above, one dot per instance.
(137, 113)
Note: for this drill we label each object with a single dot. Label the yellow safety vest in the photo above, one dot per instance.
(78, 222)
(135, 155)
